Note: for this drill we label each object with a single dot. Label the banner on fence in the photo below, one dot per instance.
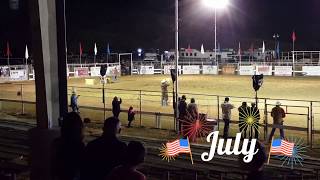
(228, 69)
(246, 70)
(146, 70)
(311, 70)
(18, 74)
(81, 71)
(265, 70)
(166, 69)
(113, 71)
(283, 70)
(95, 71)
(209, 69)
(191, 69)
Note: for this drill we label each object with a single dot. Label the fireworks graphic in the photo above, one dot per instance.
(164, 154)
(249, 119)
(298, 154)
(196, 126)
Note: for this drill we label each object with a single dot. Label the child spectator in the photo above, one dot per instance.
(131, 114)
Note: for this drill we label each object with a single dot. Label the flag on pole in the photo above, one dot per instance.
(239, 52)
(280, 146)
(26, 55)
(95, 49)
(278, 50)
(80, 50)
(8, 53)
(202, 49)
(293, 36)
(108, 49)
(263, 47)
(189, 50)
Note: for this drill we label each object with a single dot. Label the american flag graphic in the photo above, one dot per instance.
(178, 146)
(280, 146)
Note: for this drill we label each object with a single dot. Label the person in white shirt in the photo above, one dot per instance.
(226, 116)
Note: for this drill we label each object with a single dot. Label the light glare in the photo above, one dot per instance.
(217, 4)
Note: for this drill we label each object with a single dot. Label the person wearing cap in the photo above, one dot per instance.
(226, 116)
(74, 102)
(277, 114)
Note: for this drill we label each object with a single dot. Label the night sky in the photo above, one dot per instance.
(128, 24)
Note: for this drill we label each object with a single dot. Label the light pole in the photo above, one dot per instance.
(216, 4)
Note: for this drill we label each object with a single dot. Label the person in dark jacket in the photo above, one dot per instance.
(104, 153)
(68, 149)
(116, 106)
(74, 102)
(182, 107)
(128, 171)
(256, 112)
(278, 114)
(131, 114)
(243, 113)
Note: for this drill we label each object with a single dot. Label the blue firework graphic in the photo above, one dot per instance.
(298, 153)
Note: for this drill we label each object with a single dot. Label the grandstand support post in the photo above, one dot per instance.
(140, 95)
(265, 119)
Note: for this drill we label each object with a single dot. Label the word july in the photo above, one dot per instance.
(248, 155)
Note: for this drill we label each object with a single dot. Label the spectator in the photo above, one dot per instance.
(128, 171)
(243, 113)
(131, 114)
(68, 149)
(74, 102)
(256, 112)
(256, 166)
(278, 114)
(104, 153)
(182, 107)
(116, 106)
(226, 115)
(193, 108)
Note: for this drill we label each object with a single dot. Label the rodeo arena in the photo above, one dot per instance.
(145, 81)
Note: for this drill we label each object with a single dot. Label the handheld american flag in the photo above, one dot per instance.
(172, 149)
(280, 146)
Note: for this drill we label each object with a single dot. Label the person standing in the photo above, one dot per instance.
(193, 109)
(131, 114)
(277, 114)
(256, 112)
(116, 106)
(243, 113)
(226, 116)
(182, 107)
(74, 102)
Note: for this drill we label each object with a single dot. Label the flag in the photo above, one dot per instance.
(239, 49)
(202, 49)
(95, 49)
(293, 36)
(178, 146)
(189, 50)
(280, 146)
(108, 49)
(263, 47)
(8, 53)
(26, 55)
(278, 50)
(80, 50)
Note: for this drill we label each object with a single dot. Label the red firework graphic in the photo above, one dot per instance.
(196, 126)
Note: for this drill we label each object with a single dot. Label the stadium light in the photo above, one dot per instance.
(216, 4)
